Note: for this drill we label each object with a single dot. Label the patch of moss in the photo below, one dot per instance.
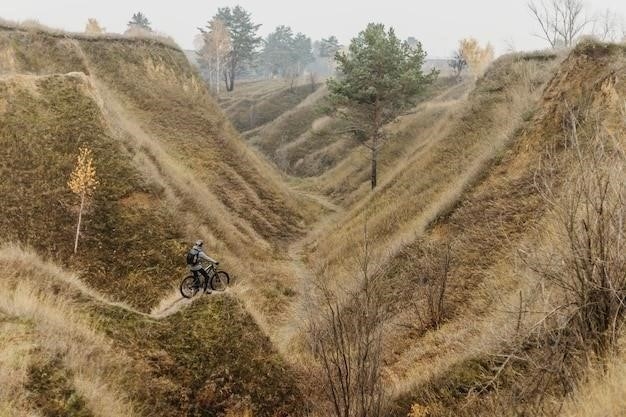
(52, 393)
(206, 360)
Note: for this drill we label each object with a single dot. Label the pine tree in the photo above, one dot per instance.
(328, 48)
(379, 77)
(139, 21)
(303, 51)
(278, 53)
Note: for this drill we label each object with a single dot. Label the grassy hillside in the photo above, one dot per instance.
(305, 142)
(442, 162)
(473, 197)
(48, 119)
(506, 214)
(67, 351)
(256, 103)
(171, 167)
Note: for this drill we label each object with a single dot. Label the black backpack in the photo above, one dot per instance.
(192, 257)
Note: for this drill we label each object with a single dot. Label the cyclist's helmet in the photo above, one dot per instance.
(199, 243)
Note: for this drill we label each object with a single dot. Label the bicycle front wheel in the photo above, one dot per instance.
(219, 281)
(189, 287)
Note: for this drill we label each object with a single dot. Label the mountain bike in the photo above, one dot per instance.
(218, 281)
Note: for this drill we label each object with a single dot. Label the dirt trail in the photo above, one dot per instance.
(297, 313)
(298, 310)
(173, 303)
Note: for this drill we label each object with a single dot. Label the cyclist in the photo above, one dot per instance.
(195, 254)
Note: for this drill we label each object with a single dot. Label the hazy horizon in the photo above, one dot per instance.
(438, 26)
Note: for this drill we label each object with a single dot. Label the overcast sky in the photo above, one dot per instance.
(437, 23)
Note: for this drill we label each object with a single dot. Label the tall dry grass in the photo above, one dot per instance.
(569, 306)
(40, 295)
(602, 392)
(492, 203)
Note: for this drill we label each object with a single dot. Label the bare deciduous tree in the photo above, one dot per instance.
(608, 26)
(457, 63)
(215, 50)
(560, 21)
(83, 183)
(347, 340)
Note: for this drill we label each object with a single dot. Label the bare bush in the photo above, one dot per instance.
(138, 32)
(608, 26)
(457, 63)
(590, 270)
(582, 270)
(347, 341)
(433, 311)
(432, 263)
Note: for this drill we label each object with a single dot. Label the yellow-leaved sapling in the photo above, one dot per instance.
(83, 183)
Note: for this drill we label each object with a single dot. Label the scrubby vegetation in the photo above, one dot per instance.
(466, 334)
(483, 275)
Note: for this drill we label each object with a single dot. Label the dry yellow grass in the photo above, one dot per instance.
(459, 170)
(173, 156)
(65, 347)
(473, 186)
(603, 394)
(188, 159)
(446, 161)
(252, 105)
(499, 215)
(303, 142)
(35, 26)
(43, 324)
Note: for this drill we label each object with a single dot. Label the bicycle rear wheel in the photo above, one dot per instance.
(219, 281)
(189, 287)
